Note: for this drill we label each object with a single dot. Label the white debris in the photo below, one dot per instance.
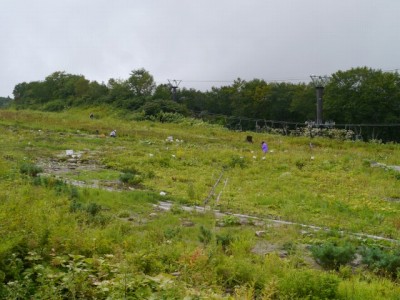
(151, 154)
(162, 193)
(69, 152)
(170, 138)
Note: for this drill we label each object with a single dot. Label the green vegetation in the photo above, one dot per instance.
(357, 96)
(91, 223)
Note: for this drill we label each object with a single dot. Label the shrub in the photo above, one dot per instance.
(74, 194)
(169, 117)
(382, 262)
(93, 208)
(232, 273)
(164, 110)
(131, 177)
(75, 206)
(230, 220)
(331, 256)
(124, 214)
(30, 169)
(308, 284)
(171, 232)
(300, 164)
(205, 235)
(224, 240)
(56, 105)
(237, 161)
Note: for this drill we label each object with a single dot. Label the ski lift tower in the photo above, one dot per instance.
(319, 83)
(173, 85)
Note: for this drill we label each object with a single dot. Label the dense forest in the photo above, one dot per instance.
(5, 101)
(362, 99)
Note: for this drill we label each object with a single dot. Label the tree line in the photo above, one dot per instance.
(357, 96)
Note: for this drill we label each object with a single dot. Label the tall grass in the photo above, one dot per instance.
(122, 247)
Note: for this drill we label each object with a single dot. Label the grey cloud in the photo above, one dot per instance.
(195, 40)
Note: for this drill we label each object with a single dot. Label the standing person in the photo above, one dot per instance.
(264, 147)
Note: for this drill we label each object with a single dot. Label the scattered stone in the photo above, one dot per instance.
(260, 233)
(356, 261)
(219, 223)
(153, 215)
(258, 223)
(244, 221)
(187, 223)
(390, 199)
(282, 254)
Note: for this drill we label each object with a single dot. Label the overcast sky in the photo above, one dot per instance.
(195, 40)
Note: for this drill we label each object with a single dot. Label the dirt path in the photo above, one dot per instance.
(61, 165)
(243, 218)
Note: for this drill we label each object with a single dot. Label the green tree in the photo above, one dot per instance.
(62, 85)
(5, 101)
(141, 83)
(363, 95)
(162, 91)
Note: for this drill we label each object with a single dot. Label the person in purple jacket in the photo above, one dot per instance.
(264, 147)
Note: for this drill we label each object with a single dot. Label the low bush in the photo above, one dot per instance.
(230, 220)
(30, 169)
(308, 284)
(382, 262)
(131, 177)
(332, 256)
(205, 235)
(237, 161)
(224, 240)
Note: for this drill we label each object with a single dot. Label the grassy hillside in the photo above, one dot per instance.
(87, 225)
